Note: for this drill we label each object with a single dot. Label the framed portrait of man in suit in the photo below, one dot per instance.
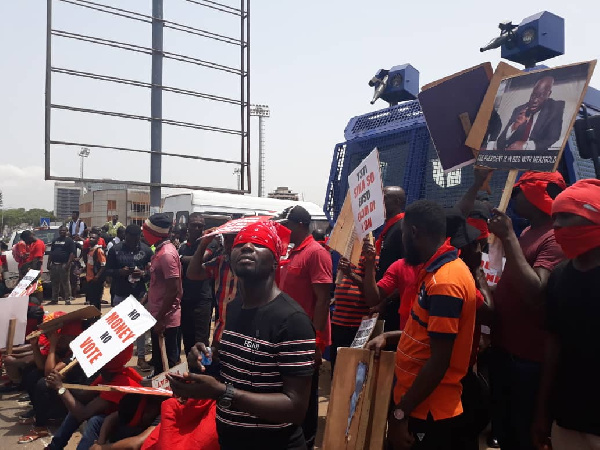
(532, 117)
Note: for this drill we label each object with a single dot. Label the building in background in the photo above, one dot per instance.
(284, 193)
(131, 205)
(66, 200)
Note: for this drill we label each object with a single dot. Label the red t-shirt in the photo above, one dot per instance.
(86, 243)
(129, 377)
(520, 329)
(36, 250)
(3, 263)
(400, 276)
(307, 265)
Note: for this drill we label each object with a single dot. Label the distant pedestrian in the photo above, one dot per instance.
(96, 264)
(62, 253)
(164, 294)
(127, 263)
(113, 225)
(76, 227)
(120, 236)
(197, 299)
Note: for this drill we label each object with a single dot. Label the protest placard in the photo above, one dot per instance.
(125, 389)
(492, 276)
(366, 195)
(87, 312)
(533, 116)
(13, 308)
(443, 102)
(161, 381)
(364, 332)
(110, 335)
(21, 289)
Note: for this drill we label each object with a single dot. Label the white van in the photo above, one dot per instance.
(218, 208)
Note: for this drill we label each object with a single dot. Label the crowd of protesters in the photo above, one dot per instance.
(521, 354)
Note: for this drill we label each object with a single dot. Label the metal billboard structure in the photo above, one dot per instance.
(158, 54)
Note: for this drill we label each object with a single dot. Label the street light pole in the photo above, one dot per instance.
(83, 153)
(261, 111)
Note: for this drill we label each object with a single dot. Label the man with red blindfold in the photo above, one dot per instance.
(98, 404)
(572, 366)
(266, 353)
(519, 332)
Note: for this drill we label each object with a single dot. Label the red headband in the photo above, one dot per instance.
(582, 199)
(269, 234)
(534, 184)
(481, 225)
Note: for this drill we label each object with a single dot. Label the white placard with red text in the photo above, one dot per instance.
(160, 381)
(111, 334)
(366, 194)
(28, 280)
(492, 276)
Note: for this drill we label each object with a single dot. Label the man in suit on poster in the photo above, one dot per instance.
(537, 124)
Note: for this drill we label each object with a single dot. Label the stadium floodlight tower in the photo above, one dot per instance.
(262, 112)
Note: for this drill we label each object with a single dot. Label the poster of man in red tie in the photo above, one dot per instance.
(533, 115)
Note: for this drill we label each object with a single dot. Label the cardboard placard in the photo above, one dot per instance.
(110, 335)
(447, 105)
(366, 194)
(161, 381)
(479, 128)
(364, 332)
(21, 289)
(343, 238)
(125, 389)
(359, 423)
(87, 312)
(532, 118)
(13, 308)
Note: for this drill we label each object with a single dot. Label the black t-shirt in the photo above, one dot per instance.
(193, 291)
(61, 249)
(120, 256)
(573, 304)
(258, 348)
(392, 249)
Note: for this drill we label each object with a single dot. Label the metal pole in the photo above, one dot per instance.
(81, 174)
(245, 104)
(261, 157)
(48, 97)
(156, 104)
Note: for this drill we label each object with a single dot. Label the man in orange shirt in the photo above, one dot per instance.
(434, 348)
(95, 266)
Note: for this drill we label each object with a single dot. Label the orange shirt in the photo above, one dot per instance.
(444, 308)
(96, 255)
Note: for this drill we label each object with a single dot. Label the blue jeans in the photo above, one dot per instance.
(70, 425)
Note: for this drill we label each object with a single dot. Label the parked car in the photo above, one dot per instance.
(12, 276)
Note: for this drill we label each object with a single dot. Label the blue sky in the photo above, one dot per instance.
(311, 62)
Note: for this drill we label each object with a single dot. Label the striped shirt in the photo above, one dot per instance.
(226, 283)
(350, 306)
(259, 347)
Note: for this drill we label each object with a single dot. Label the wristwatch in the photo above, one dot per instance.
(226, 399)
(398, 414)
(62, 391)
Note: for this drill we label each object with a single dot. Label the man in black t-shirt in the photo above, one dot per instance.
(127, 264)
(266, 354)
(196, 301)
(570, 391)
(62, 253)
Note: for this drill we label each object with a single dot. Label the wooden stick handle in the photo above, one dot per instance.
(68, 367)
(163, 352)
(12, 325)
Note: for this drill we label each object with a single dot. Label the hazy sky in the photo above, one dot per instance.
(311, 62)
